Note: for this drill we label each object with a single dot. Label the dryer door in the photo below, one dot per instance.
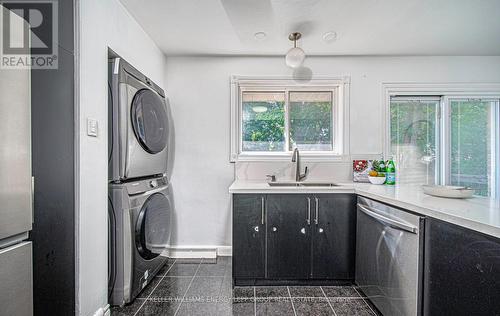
(152, 231)
(150, 121)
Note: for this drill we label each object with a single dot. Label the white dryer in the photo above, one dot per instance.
(139, 124)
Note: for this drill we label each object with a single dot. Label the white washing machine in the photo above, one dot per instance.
(140, 216)
(140, 124)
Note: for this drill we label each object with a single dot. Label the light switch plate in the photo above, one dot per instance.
(92, 127)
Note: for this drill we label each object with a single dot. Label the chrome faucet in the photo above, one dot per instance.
(296, 158)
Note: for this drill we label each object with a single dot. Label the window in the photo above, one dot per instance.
(263, 121)
(311, 121)
(271, 124)
(272, 117)
(414, 138)
(472, 138)
(446, 140)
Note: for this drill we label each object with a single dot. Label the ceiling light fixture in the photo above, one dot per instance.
(259, 109)
(330, 36)
(260, 36)
(295, 56)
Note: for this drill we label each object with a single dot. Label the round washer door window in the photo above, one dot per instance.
(149, 121)
(152, 230)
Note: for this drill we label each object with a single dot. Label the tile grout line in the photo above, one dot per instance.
(189, 286)
(254, 301)
(291, 300)
(219, 292)
(365, 301)
(161, 279)
(230, 280)
(223, 277)
(328, 301)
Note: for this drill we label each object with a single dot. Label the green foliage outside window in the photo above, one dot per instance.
(414, 124)
(264, 126)
(264, 131)
(311, 125)
(471, 145)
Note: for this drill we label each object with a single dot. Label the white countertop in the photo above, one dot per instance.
(479, 214)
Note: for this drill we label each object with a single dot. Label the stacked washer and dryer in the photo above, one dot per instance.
(140, 198)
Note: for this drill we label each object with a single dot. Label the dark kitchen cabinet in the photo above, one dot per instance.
(249, 236)
(334, 236)
(461, 271)
(289, 236)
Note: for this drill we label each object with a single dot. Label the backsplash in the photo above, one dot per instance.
(334, 171)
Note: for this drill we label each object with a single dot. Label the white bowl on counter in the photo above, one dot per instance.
(376, 180)
(448, 191)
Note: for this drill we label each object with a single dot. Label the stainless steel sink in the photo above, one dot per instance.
(302, 184)
(283, 184)
(318, 184)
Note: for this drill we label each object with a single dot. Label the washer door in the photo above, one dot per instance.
(152, 230)
(150, 121)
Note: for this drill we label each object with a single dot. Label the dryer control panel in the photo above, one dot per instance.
(141, 186)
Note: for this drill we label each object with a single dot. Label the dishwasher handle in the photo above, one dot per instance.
(389, 221)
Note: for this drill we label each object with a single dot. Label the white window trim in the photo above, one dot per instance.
(340, 86)
(449, 91)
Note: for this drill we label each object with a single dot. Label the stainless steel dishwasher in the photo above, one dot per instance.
(389, 257)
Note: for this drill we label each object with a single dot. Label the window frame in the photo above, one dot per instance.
(447, 93)
(439, 127)
(339, 87)
(495, 144)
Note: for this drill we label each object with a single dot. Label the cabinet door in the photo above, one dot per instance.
(16, 280)
(248, 236)
(289, 236)
(334, 236)
(461, 271)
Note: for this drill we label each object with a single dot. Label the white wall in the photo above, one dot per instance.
(103, 24)
(198, 88)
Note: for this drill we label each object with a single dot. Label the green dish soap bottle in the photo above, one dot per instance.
(390, 172)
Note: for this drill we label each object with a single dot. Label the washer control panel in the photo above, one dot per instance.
(140, 186)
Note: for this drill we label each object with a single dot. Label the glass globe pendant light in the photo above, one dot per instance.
(295, 56)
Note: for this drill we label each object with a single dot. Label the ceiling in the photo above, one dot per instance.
(363, 27)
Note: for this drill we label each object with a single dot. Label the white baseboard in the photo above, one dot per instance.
(107, 310)
(208, 252)
(103, 311)
(224, 251)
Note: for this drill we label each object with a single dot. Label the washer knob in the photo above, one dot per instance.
(153, 184)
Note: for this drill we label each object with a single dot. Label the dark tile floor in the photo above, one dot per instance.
(204, 287)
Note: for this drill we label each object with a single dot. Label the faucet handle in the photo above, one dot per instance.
(303, 176)
(271, 177)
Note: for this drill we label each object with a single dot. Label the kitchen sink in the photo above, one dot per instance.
(319, 184)
(283, 184)
(302, 184)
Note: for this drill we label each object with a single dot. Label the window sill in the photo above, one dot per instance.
(277, 157)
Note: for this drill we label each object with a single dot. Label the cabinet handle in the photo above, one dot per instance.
(316, 220)
(256, 228)
(262, 210)
(308, 220)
